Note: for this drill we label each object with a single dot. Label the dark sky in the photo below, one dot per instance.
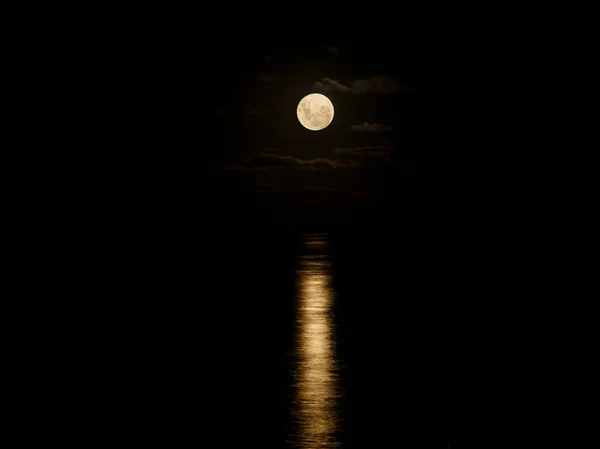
(215, 128)
(201, 144)
(294, 175)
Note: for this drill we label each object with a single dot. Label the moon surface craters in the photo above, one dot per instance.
(315, 112)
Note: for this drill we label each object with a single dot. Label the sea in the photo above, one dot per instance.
(297, 338)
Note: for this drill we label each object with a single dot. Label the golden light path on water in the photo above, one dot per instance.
(315, 410)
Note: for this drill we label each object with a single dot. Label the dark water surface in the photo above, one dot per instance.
(364, 371)
(339, 342)
(291, 339)
(315, 410)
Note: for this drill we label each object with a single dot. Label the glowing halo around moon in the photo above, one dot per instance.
(315, 112)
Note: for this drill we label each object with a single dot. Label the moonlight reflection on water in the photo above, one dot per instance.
(315, 409)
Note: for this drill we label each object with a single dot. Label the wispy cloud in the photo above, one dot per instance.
(273, 160)
(366, 150)
(266, 161)
(376, 84)
(370, 127)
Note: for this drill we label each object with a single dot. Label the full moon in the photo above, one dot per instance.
(315, 112)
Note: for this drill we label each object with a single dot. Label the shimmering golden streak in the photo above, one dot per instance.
(316, 387)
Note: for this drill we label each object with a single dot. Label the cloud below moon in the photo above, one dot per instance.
(366, 150)
(370, 127)
(268, 160)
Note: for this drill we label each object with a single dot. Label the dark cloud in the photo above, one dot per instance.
(376, 84)
(272, 161)
(329, 84)
(331, 49)
(366, 150)
(268, 58)
(269, 78)
(221, 112)
(370, 127)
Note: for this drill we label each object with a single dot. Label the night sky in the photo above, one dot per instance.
(218, 130)
(333, 174)
(202, 136)
(204, 163)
